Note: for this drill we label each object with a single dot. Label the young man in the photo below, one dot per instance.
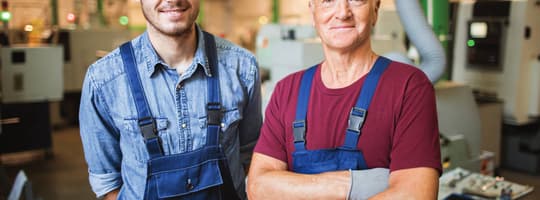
(174, 113)
(336, 130)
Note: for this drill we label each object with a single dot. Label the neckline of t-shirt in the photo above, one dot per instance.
(318, 83)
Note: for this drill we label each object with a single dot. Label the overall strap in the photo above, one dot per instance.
(358, 113)
(213, 107)
(299, 124)
(214, 115)
(146, 122)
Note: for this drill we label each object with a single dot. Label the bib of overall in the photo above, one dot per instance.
(200, 174)
(347, 156)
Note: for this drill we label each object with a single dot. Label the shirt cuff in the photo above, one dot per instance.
(104, 183)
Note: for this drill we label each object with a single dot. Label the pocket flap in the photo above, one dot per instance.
(189, 180)
(229, 118)
(132, 125)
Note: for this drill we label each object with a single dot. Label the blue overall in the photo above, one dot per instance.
(348, 156)
(200, 174)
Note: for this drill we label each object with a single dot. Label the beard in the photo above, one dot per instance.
(172, 32)
(179, 27)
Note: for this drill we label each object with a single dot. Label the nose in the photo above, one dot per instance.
(343, 10)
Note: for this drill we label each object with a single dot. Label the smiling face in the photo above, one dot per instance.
(344, 24)
(170, 17)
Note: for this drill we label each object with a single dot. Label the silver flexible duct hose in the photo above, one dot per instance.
(419, 32)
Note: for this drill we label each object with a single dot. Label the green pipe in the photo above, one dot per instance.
(437, 14)
(54, 12)
(102, 20)
(275, 11)
(200, 18)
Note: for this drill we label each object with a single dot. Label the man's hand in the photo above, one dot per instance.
(113, 195)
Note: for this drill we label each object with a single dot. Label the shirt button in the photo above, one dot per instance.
(179, 86)
(189, 185)
(184, 125)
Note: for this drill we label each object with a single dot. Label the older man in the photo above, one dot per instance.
(356, 126)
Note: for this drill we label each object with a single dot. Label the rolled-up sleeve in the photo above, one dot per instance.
(250, 126)
(104, 183)
(100, 140)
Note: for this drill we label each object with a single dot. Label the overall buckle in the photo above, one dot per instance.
(213, 111)
(148, 127)
(299, 130)
(356, 119)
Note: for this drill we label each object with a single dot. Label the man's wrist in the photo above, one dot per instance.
(338, 181)
(351, 185)
(112, 195)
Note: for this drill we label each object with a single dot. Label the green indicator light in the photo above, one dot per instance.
(471, 43)
(5, 16)
(124, 20)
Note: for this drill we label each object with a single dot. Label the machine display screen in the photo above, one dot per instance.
(479, 29)
(485, 44)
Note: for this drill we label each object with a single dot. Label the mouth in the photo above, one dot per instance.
(342, 27)
(175, 9)
(173, 12)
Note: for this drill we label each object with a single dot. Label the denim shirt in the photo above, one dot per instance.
(113, 145)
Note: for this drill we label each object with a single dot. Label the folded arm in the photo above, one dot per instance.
(414, 183)
(269, 179)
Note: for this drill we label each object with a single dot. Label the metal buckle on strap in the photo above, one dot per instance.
(356, 119)
(148, 127)
(299, 130)
(213, 111)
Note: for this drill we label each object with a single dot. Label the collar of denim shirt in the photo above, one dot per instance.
(153, 60)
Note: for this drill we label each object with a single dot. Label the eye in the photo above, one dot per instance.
(327, 2)
(357, 2)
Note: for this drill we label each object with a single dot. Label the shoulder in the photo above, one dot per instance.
(405, 75)
(227, 48)
(237, 60)
(105, 69)
(108, 68)
(290, 84)
(292, 79)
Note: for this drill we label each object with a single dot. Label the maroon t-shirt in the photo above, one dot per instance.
(400, 130)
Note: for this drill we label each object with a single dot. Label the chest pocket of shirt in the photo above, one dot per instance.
(229, 126)
(135, 147)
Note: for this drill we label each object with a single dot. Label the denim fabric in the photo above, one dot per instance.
(113, 145)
